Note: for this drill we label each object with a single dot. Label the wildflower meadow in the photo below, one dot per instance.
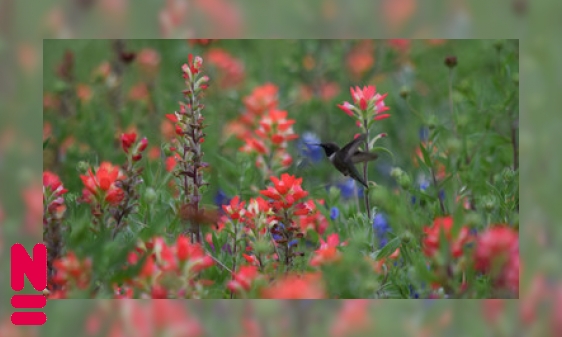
(199, 169)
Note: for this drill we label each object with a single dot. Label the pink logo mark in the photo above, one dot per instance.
(35, 269)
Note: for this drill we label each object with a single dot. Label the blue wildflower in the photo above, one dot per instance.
(424, 133)
(308, 148)
(334, 213)
(277, 237)
(221, 199)
(348, 188)
(383, 241)
(381, 227)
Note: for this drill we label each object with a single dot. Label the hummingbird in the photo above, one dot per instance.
(344, 159)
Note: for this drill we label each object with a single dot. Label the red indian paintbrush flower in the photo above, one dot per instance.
(52, 181)
(242, 280)
(432, 241)
(270, 141)
(277, 127)
(497, 251)
(72, 272)
(308, 286)
(231, 70)
(148, 60)
(262, 99)
(360, 59)
(127, 140)
(192, 66)
(235, 209)
(102, 183)
(368, 104)
(328, 251)
(286, 191)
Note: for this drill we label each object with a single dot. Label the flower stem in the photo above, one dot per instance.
(365, 173)
(451, 102)
(514, 144)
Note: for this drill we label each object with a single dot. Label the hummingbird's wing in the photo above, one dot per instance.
(353, 173)
(363, 157)
(350, 148)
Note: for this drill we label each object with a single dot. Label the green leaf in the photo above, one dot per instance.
(383, 149)
(389, 248)
(46, 142)
(435, 133)
(426, 157)
(215, 240)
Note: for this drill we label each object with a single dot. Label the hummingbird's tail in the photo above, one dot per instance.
(359, 179)
(355, 175)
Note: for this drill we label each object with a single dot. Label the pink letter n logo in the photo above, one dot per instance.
(36, 271)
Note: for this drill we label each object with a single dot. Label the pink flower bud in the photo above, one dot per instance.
(143, 144)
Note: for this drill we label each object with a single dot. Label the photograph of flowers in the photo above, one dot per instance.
(281, 169)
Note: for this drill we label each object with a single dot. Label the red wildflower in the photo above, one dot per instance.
(139, 92)
(127, 140)
(327, 252)
(497, 251)
(401, 45)
(231, 69)
(171, 162)
(242, 280)
(236, 208)
(276, 127)
(347, 108)
(153, 153)
(308, 286)
(192, 66)
(52, 181)
(83, 92)
(310, 217)
(69, 269)
(103, 183)
(366, 99)
(287, 191)
(262, 98)
(143, 144)
(254, 145)
(182, 247)
(148, 60)
(360, 59)
(432, 243)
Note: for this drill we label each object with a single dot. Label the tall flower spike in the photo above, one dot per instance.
(187, 161)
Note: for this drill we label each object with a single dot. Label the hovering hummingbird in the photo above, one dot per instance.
(344, 159)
